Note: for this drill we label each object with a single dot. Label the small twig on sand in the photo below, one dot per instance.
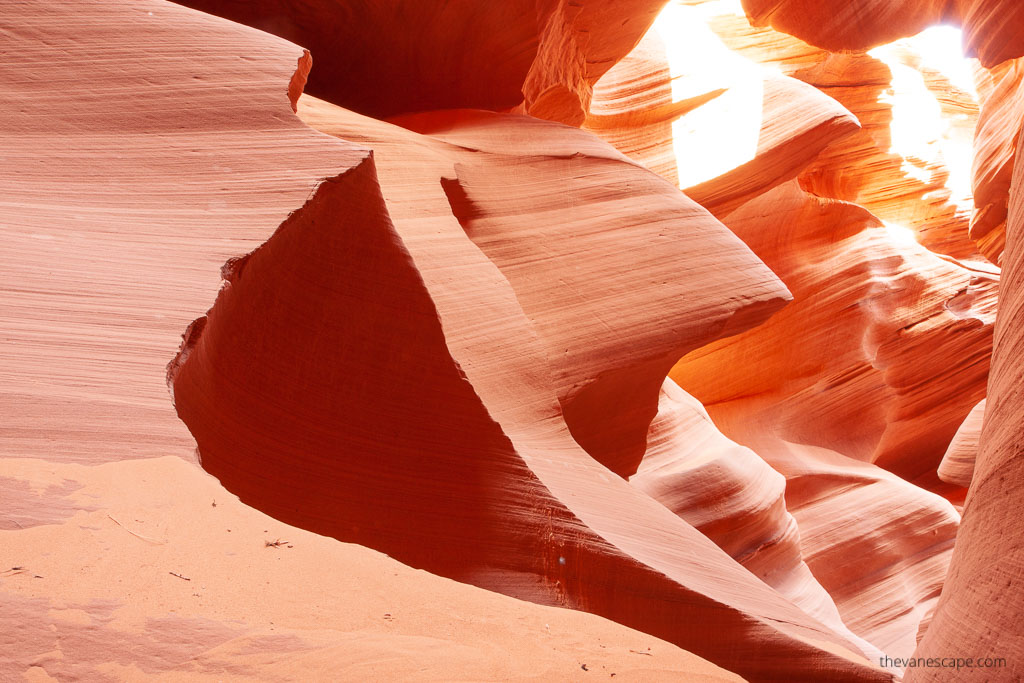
(179, 576)
(144, 538)
(274, 544)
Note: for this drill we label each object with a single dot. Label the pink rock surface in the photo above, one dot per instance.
(957, 466)
(168, 164)
(734, 498)
(978, 614)
(995, 154)
(555, 251)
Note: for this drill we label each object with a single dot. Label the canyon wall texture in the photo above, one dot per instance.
(511, 341)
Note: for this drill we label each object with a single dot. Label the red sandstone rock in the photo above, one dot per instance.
(764, 128)
(957, 466)
(907, 164)
(567, 537)
(633, 107)
(991, 27)
(607, 370)
(873, 312)
(122, 201)
(879, 545)
(852, 391)
(995, 154)
(978, 615)
(554, 249)
(734, 498)
(391, 57)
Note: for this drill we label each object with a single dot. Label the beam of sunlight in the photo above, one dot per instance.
(921, 131)
(901, 234)
(724, 133)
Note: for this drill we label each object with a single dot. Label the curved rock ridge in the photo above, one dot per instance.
(390, 57)
(917, 128)
(978, 615)
(450, 455)
(581, 40)
(561, 254)
(633, 107)
(725, 134)
(443, 327)
(877, 318)
(734, 498)
(878, 545)
(957, 466)
(864, 392)
(992, 28)
(999, 126)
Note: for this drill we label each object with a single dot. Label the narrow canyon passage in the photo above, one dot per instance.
(504, 341)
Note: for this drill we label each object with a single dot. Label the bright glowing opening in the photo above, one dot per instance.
(723, 134)
(941, 47)
(922, 131)
(901, 234)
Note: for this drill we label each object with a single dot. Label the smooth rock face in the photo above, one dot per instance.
(734, 498)
(957, 466)
(995, 154)
(453, 281)
(169, 163)
(978, 614)
(872, 311)
(553, 249)
(555, 255)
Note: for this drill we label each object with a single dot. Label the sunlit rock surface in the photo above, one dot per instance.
(724, 134)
